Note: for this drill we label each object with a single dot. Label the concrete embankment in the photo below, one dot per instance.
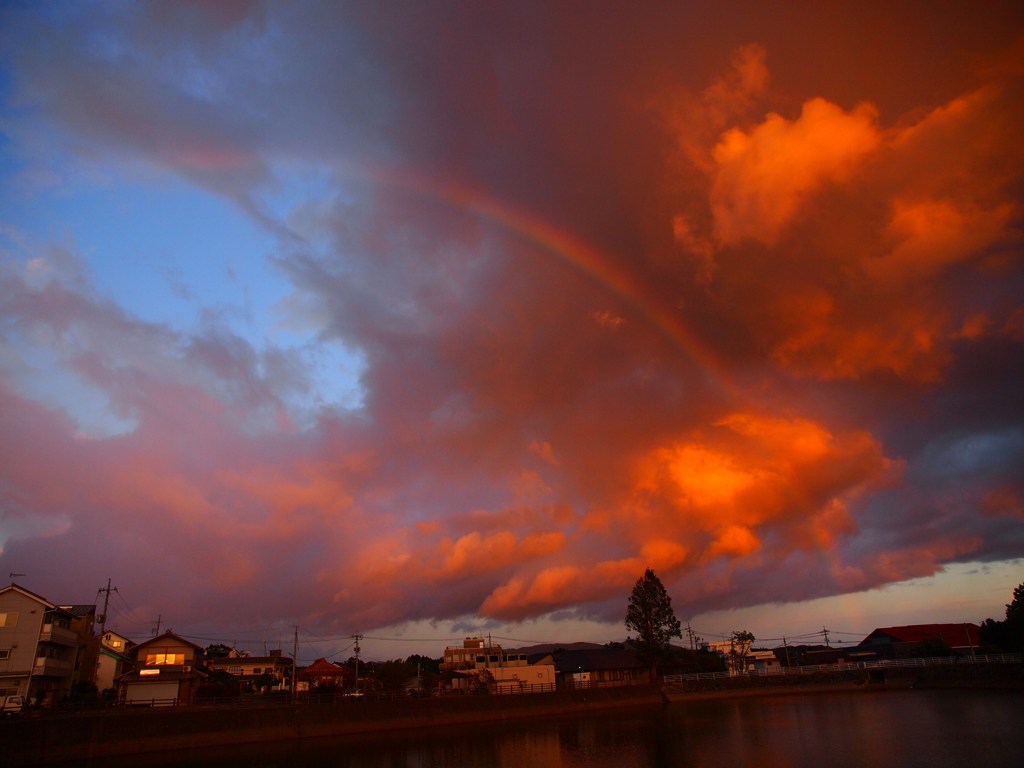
(90, 736)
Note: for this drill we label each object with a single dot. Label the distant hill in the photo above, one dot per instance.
(550, 647)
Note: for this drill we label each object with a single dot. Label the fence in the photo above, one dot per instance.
(1001, 658)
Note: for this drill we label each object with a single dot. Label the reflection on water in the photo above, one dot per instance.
(904, 729)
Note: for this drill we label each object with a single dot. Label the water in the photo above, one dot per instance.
(904, 729)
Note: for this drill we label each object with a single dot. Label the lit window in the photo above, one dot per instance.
(164, 659)
(8, 619)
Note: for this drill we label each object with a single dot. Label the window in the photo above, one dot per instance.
(256, 670)
(8, 619)
(234, 670)
(162, 659)
(5, 653)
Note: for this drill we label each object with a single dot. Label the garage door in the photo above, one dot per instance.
(157, 694)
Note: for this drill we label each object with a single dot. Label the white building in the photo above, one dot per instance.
(479, 664)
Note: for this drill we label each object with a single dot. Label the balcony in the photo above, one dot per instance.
(53, 633)
(47, 667)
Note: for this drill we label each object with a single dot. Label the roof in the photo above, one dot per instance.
(321, 668)
(954, 635)
(166, 675)
(29, 594)
(168, 635)
(593, 659)
(78, 611)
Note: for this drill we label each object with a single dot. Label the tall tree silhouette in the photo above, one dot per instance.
(650, 615)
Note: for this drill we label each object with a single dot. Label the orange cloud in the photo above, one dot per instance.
(762, 177)
(734, 541)
(833, 344)
(716, 490)
(932, 235)
(473, 554)
(543, 449)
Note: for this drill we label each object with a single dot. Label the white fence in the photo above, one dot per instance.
(1001, 658)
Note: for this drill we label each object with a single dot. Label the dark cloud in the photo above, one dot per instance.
(697, 289)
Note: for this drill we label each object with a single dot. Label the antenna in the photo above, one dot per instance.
(12, 576)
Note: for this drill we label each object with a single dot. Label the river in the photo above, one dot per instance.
(901, 729)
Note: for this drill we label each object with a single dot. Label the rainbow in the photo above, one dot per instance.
(567, 247)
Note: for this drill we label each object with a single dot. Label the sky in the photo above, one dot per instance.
(424, 320)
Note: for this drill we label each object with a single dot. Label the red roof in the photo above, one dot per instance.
(954, 635)
(321, 668)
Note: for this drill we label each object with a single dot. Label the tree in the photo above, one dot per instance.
(1015, 610)
(1007, 635)
(217, 651)
(650, 615)
(741, 640)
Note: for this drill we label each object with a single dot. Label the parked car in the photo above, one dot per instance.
(13, 705)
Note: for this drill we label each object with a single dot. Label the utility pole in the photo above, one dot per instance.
(156, 631)
(825, 632)
(295, 661)
(689, 634)
(786, 646)
(106, 602)
(970, 642)
(357, 638)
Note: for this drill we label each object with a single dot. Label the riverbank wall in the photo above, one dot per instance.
(86, 737)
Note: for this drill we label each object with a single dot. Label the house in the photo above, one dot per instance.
(256, 673)
(921, 639)
(322, 674)
(475, 652)
(38, 648)
(113, 659)
(168, 670)
(83, 622)
(735, 653)
(764, 663)
(599, 667)
(479, 664)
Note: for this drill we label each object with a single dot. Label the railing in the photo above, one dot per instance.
(151, 703)
(46, 665)
(585, 685)
(54, 633)
(1001, 658)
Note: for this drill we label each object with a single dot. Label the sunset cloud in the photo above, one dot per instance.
(306, 318)
(763, 176)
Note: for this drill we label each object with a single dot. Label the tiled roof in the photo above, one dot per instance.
(164, 676)
(954, 635)
(168, 635)
(322, 668)
(79, 610)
